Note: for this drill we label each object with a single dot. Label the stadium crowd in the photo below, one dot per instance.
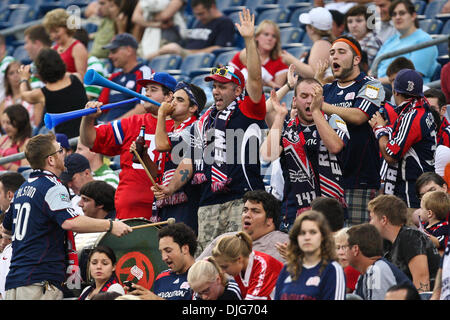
(305, 169)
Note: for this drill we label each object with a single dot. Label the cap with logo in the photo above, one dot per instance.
(162, 78)
(226, 74)
(122, 40)
(320, 18)
(409, 82)
(74, 163)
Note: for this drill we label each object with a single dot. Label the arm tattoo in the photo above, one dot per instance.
(185, 175)
(423, 287)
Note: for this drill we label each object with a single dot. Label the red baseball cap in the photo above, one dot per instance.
(226, 74)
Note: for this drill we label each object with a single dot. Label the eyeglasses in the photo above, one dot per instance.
(399, 13)
(224, 72)
(61, 150)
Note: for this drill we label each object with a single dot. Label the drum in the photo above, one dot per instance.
(138, 257)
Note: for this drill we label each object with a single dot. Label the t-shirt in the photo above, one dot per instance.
(105, 173)
(360, 158)
(217, 32)
(39, 208)
(95, 64)
(312, 283)
(133, 198)
(424, 59)
(103, 36)
(408, 244)
(260, 277)
(379, 277)
(127, 80)
(172, 286)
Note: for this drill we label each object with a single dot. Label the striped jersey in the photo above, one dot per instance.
(97, 65)
(312, 283)
(39, 208)
(105, 173)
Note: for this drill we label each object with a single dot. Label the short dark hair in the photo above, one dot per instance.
(411, 291)
(332, 209)
(182, 234)
(357, 10)
(270, 204)
(398, 64)
(393, 207)
(206, 3)
(101, 192)
(428, 177)
(368, 239)
(409, 7)
(38, 33)
(11, 181)
(436, 93)
(50, 66)
(307, 80)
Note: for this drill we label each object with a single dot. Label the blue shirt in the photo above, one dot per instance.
(39, 208)
(360, 158)
(172, 286)
(424, 59)
(312, 284)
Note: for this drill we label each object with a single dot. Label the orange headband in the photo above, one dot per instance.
(351, 44)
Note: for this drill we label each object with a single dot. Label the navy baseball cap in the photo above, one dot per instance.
(409, 82)
(122, 40)
(63, 140)
(162, 78)
(74, 163)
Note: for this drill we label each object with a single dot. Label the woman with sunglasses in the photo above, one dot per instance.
(16, 125)
(209, 282)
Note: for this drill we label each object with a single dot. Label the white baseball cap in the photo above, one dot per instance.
(320, 18)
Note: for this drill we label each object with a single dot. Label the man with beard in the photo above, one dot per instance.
(308, 146)
(40, 220)
(355, 97)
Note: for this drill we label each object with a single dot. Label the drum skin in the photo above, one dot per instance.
(138, 257)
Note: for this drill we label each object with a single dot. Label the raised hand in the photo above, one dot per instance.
(317, 100)
(279, 108)
(291, 76)
(247, 26)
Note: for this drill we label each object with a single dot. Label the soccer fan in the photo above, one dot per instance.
(355, 97)
(39, 219)
(115, 138)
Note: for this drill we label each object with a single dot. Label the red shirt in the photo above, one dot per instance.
(67, 57)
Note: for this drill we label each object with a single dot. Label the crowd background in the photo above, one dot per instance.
(282, 38)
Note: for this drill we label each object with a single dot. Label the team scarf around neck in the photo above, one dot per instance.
(321, 178)
(112, 280)
(216, 120)
(168, 168)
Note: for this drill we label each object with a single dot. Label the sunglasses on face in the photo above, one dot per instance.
(224, 72)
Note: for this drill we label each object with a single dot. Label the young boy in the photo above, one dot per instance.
(435, 206)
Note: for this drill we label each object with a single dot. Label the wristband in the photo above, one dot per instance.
(289, 86)
(110, 225)
(380, 131)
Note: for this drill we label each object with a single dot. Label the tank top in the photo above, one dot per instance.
(13, 149)
(72, 97)
(67, 57)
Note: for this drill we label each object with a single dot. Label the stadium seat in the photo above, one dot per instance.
(295, 49)
(420, 6)
(431, 26)
(90, 27)
(291, 35)
(444, 17)
(195, 64)
(224, 57)
(433, 8)
(165, 62)
(446, 28)
(252, 5)
(279, 15)
(21, 54)
(20, 15)
(4, 15)
(199, 81)
(293, 18)
(306, 41)
(224, 4)
(288, 99)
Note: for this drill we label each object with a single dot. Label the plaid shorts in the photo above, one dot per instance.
(217, 219)
(357, 200)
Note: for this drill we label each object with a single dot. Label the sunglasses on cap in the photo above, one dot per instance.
(224, 72)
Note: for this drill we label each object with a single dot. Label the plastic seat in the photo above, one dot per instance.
(20, 15)
(22, 55)
(293, 18)
(195, 64)
(224, 4)
(433, 8)
(446, 28)
(296, 50)
(278, 15)
(225, 57)
(431, 26)
(199, 81)
(291, 35)
(420, 6)
(252, 5)
(166, 62)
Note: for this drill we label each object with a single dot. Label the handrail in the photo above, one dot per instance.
(378, 59)
(21, 155)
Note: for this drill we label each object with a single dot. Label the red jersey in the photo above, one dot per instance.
(134, 198)
(260, 277)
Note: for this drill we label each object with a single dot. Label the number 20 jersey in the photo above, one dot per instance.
(39, 208)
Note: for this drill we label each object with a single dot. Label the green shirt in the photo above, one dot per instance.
(105, 173)
(103, 36)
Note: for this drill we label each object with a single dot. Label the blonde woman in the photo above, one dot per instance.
(268, 43)
(209, 282)
(351, 274)
(311, 271)
(255, 272)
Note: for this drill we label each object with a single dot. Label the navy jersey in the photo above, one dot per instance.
(40, 207)
(172, 286)
(360, 159)
(308, 175)
(312, 284)
(439, 230)
(379, 277)
(412, 143)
